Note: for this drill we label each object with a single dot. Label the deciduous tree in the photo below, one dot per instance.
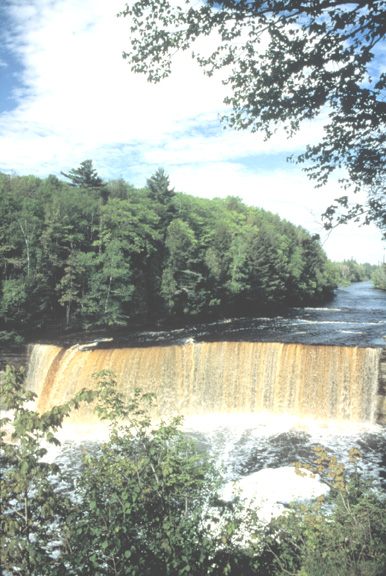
(286, 62)
(32, 508)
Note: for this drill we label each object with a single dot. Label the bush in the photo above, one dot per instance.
(379, 277)
(32, 510)
(343, 534)
(145, 503)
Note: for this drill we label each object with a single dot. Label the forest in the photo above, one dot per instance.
(83, 253)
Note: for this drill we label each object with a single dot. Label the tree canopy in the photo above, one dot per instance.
(145, 254)
(286, 62)
(86, 177)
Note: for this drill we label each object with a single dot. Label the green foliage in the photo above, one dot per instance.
(140, 500)
(351, 271)
(32, 509)
(342, 534)
(285, 63)
(159, 189)
(379, 277)
(145, 254)
(142, 503)
(146, 503)
(86, 177)
(181, 277)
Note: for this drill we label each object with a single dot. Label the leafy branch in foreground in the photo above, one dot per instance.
(143, 502)
(285, 63)
(32, 509)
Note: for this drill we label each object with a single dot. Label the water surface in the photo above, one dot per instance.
(355, 317)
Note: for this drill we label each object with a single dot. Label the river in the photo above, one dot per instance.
(355, 317)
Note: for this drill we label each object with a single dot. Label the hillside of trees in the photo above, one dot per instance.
(85, 253)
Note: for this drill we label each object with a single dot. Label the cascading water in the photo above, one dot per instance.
(260, 399)
(322, 382)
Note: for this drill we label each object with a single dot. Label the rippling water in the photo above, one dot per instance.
(355, 317)
(249, 443)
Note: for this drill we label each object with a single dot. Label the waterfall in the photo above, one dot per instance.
(323, 382)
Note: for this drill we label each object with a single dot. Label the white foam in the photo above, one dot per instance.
(271, 490)
(266, 424)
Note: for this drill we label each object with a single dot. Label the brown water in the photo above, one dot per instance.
(321, 382)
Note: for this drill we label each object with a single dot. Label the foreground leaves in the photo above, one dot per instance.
(344, 534)
(32, 510)
(285, 63)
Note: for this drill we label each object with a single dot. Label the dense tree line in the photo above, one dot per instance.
(91, 253)
(352, 271)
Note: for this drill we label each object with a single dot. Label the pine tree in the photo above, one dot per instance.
(87, 177)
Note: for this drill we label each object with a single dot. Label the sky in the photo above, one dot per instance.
(67, 95)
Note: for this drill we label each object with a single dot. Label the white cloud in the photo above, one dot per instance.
(77, 82)
(74, 63)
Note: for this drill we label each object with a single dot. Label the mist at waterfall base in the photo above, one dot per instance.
(256, 447)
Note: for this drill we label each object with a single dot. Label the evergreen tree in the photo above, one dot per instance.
(162, 201)
(159, 188)
(180, 278)
(87, 177)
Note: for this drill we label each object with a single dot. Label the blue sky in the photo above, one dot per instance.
(67, 95)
